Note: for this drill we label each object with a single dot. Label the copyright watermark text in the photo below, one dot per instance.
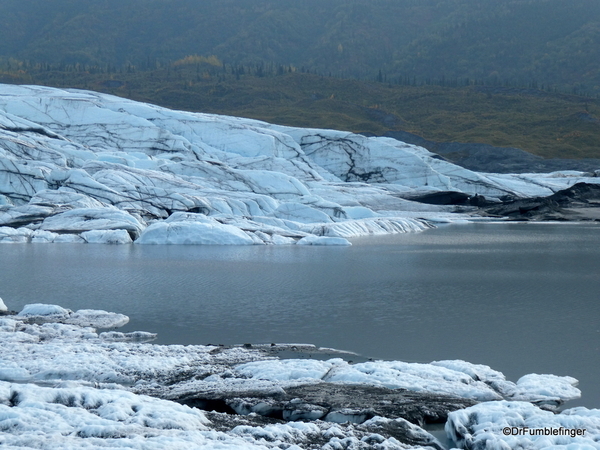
(546, 431)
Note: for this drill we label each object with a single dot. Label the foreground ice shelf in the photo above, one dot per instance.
(66, 384)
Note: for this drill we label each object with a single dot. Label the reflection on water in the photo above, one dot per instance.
(519, 297)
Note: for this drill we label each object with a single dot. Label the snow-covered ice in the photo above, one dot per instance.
(54, 312)
(64, 384)
(458, 378)
(78, 166)
(518, 425)
(42, 312)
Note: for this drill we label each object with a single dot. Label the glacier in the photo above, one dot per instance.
(79, 166)
(65, 382)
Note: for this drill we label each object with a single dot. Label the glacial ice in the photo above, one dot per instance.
(97, 319)
(64, 385)
(323, 240)
(507, 425)
(84, 317)
(76, 163)
(42, 309)
(106, 237)
(459, 378)
(207, 232)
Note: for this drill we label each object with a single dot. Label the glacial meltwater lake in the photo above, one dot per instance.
(521, 298)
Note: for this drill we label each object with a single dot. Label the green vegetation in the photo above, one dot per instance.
(544, 123)
(552, 43)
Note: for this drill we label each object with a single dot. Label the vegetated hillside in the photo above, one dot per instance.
(547, 124)
(550, 42)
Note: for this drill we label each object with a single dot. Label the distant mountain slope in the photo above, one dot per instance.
(552, 41)
(526, 41)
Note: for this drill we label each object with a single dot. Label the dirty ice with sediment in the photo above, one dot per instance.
(66, 381)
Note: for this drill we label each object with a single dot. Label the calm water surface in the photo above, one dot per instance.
(521, 298)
